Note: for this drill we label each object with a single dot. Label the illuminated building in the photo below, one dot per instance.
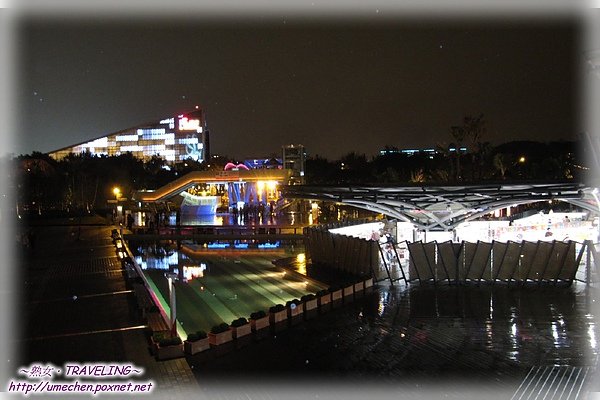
(264, 163)
(294, 158)
(174, 139)
(411, 151)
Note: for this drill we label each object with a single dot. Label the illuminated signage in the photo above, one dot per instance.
(186, 124)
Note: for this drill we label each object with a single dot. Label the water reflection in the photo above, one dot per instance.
(592, 333)
(384, 299)
(231, 219)
(156, 256)
(513, 335)
(540, 326)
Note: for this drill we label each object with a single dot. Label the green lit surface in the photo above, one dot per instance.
(234, 285)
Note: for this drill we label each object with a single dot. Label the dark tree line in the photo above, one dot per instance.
(513, 161)
(517, 160)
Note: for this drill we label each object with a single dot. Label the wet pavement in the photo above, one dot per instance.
(76, 307)
(447, 342)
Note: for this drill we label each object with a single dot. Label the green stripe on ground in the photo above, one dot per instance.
(258, 283)
(245, 299)
(289, 284)
(246, 276)
(198, 312)
(291, 290)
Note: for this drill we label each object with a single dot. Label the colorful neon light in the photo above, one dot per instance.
(186, 124)
(231, 166)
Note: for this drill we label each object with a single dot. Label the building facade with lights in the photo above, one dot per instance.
(427, 151)
(174, 139)
(294, 159)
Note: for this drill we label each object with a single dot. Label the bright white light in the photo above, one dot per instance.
(592, 335)
(188, 140)
(131, 148)
(555, 333)
(272, 185)
(194, 272)
(127, 138)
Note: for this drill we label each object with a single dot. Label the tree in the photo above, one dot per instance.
(458, 134)
(417, 176)
(472, 129)
(501, 162)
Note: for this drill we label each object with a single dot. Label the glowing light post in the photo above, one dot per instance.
(117, 192)
(171, 277)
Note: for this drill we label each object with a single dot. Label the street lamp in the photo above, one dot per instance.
(117, 192)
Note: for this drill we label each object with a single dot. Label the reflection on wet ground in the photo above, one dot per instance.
(490, 337)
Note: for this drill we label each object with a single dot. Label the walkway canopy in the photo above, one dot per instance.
(445, 207)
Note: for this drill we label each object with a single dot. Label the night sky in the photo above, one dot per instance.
(334, 86)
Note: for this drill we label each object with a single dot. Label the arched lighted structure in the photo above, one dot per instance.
(242, 185)
(443, 208)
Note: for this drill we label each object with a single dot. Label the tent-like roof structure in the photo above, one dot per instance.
(445, 207)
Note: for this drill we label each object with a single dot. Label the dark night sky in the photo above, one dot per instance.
(336, 87)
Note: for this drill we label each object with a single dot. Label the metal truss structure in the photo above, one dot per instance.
(442, 208)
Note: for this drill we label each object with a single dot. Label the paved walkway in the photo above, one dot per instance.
(78, 308)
